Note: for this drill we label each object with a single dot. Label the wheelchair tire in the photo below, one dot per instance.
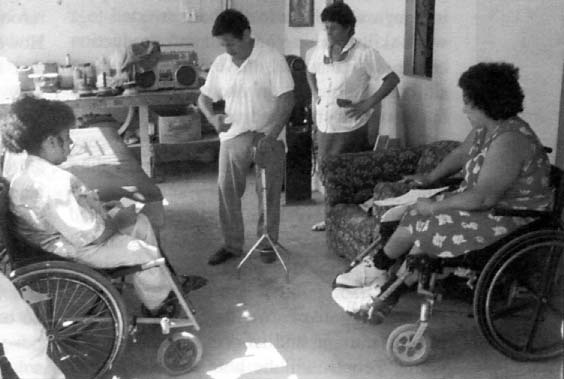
(519, 297)
(83, 314)
(398, 349)
(180, 353)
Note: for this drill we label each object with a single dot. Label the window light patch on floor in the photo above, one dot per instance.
(247, 315)
(259, 356)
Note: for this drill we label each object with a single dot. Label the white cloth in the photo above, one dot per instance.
(54, 210)
(249, 91)
(23, 336)
(355, 78)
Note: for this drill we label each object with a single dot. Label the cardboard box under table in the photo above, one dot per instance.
(177, 124)
(102, 161)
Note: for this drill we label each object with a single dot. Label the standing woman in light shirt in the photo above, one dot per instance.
(348, 79)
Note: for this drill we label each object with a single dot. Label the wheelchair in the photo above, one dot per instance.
(517, 284)
(83, 311)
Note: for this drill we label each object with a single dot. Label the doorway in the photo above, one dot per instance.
(560, 140)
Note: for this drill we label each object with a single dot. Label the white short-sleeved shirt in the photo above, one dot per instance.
(53, 209)
(355, 78)
(249, 91)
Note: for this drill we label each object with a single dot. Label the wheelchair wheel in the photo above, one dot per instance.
(83, 314)
(519, 297)
(398, 346)
(180, 353)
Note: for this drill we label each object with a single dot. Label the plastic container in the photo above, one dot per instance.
(66, 79)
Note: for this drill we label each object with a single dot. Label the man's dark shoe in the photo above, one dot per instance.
(267, 255)
(169, 308)
(221, 256)
(192, 283)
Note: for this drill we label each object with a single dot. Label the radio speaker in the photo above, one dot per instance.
(298, 136)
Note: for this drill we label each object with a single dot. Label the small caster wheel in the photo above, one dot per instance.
(180, 353)
(399, 346)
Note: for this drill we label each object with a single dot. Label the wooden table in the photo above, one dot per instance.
(141, 100)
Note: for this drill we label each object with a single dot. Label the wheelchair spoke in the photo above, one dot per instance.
(80, 327)
(57, 320)
(84, 316)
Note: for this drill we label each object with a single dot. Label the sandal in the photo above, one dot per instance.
(319, 227)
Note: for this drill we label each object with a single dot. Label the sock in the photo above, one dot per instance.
(382, 261)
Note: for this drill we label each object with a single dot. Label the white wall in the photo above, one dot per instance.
(529, 33)
(46, 30)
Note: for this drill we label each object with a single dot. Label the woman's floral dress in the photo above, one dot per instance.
(455, 232)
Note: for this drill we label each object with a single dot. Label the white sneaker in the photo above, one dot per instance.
(355, 300)
(362, 275)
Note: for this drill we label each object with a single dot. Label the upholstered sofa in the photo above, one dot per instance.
(351, 179)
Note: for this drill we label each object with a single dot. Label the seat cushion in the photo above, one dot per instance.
(103, 162)
(433, 153)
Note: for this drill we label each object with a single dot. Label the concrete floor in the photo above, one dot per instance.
(260, 327)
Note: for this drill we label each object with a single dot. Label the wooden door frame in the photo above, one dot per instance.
(560, 139)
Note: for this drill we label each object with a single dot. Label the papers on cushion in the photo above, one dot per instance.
(409, 197)
(399, 203)
(394, 214)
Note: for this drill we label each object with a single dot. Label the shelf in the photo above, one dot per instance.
(205, 149)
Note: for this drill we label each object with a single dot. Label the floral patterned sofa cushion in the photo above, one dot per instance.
(351, 179)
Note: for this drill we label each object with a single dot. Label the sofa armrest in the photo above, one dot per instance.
(350, 178)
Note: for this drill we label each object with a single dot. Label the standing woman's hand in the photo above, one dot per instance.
(356, 110)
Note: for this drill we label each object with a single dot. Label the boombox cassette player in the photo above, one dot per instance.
(177, 68)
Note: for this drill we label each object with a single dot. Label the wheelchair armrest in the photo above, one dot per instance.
(521, 213)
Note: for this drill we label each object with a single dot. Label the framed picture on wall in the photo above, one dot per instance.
(301, 13)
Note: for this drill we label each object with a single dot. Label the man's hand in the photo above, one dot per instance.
(264, 147)
(218, 122)
(111, 204)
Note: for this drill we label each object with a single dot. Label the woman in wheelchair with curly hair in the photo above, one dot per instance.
(56, 212)
(504, 165)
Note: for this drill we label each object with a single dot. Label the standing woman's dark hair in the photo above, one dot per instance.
(493, 88)
(231, 21)
(31, 121)
(340, 13)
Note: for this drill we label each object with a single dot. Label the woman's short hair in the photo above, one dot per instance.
(230, 21)
(32, 120)
(493, 88)
(340, 13)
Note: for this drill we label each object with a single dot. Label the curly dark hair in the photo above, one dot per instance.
(493, 88)
(230, 21)
(340, 13)
(31, 121)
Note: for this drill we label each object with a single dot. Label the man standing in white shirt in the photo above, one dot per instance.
(255, 82)
(348, 79)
